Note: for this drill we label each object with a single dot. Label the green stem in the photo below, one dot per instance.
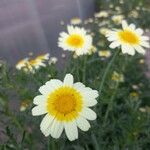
(52, 145)
(107, 71)
(109, 108)
(110, 104)
(15, 121)
(84, 69)
(77, 67)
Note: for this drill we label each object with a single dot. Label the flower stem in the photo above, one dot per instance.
(107, 71)
(84, 69)
(15, 121)
(110, 103)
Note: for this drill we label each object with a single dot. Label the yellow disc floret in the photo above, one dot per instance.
(75, 41)
(64, 103)
(128, 36)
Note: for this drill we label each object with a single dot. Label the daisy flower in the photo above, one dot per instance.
(43, 57)
(35, 64)
(104, 31)
(75, 21)
(129, 38)
(101, 14)
(22, 63)
(117, 19)
(117, 77)
(76, 40)
(53, 60)
(66, 105)
(104, 53)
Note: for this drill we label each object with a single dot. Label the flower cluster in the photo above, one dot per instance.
(30, 65)
(66, 104)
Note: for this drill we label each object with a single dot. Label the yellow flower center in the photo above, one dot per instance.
(64, 103)
(128, 36)
(33, 62)
(75, 41)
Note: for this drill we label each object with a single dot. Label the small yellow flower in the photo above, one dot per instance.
(92, 50)
(104, 31)
(89, 20)
(117, 19)
(35, 64)
(22, 63)
(29, 65)
(43, 57)
(134, 94)
(104, 53)
(53, 60)
(118, 9)
(75, 21)
(117, 77)
(142, 61)
(134, 14)
(101, 14)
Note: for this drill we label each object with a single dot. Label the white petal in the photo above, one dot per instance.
(124, 24)
(131, 51)
(40, 99)
(89, 102)
(79, 86)
(68, 80)
(46, 124)
(88, 113)
(139, 49)
(145, 38)
(145, 44)
(56, 129)
(128, 49)
(139, 31)
(50, 86)
(71, 130)
(112, 38)
(63, 34)
(114, 44)
(83, 124)
(90, 93)
(70, 29)
(39, 110)
(132, 26)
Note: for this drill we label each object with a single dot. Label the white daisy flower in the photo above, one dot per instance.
(129, 38)
(35, 64)
(43, 57)
(101, 14)
(75, 40)
(75, 21)
(22, 63)
(104, 31)
(117, 19)
(104, 53)
(66, 105)
(53, 60)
